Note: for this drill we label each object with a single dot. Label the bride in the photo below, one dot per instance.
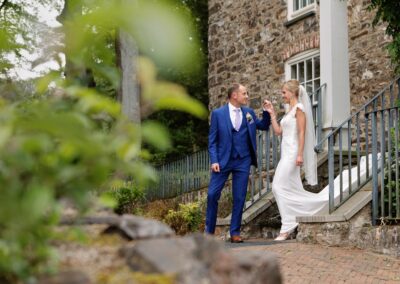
(298, 140)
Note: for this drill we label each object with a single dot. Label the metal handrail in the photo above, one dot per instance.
(380, 110)
(318, 147)
(339, 144)
(383, 205)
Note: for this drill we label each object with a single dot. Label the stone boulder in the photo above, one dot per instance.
(201, 259)
(130, 226)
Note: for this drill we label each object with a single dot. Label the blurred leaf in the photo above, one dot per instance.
(169, 37)
(156, 135)
(166, 95)
(90, 101)
(108, 200)
(43, 83)
(158, 95)
(147, 71)
(144, 170)
(37, 199)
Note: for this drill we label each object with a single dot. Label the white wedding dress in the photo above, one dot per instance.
(290, 196)
(287, 187)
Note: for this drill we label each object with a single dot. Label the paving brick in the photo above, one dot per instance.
(306, 263)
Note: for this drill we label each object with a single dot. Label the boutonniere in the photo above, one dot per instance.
(249, 118)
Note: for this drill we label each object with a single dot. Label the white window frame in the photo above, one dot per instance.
(294, 14)
(302, 57)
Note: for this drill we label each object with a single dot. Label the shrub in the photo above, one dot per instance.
(128, 198)
(159, 209)
(187, 218)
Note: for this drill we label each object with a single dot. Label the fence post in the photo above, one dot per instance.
(374, 171)
(331, 175)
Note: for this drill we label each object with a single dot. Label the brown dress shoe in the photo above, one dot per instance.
(236, 239)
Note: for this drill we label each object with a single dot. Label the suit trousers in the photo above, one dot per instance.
(240, 168)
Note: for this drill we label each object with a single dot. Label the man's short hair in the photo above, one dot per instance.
(234, 88)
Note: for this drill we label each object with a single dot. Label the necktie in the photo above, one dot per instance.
(237, 119)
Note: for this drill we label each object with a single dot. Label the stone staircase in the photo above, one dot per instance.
(261, 217)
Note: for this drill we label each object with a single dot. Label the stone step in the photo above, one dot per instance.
(256, 209)
(352, 206)
(263, 203)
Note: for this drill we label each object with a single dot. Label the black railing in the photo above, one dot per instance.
(385, 165)
(352, 140)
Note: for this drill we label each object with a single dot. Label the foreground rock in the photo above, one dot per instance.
(130, 226)
(131, 249)
(199, 259)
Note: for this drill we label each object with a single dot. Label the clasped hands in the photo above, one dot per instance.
(267, 106)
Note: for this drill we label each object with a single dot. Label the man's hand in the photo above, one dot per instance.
(215, 168)
(267, 106)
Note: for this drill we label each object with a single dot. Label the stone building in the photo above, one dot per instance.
(262, 43)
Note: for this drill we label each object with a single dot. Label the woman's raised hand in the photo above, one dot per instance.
(267, 105)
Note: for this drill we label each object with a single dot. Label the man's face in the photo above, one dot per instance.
(241, 96)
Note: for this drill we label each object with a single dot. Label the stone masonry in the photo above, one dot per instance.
(249, 43)
(357, 232)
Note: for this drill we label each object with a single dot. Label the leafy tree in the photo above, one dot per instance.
(69, 139)
(20, 31)
(388, 11)
(188, 134)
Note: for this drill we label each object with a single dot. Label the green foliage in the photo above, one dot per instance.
(19, 32)
(186, 219)
(159, 209)
(70, 140)
(188, 134)
(54, 149)
(387, 11)
(128, 198)
(390, 180)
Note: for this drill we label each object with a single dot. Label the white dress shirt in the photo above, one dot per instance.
(232, 113)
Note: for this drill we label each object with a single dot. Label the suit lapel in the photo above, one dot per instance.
(228, 119)
(249, 129)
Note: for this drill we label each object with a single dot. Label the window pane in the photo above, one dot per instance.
(309, 74)
(311, 1)
(293, 71)
(317, 83)
(316, 67)
(304, 3)
(309, 87)
(301, 72)
(295, 5)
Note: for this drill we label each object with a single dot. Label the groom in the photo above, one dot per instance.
(232, 149)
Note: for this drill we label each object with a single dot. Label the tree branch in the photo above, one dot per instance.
(3, 4)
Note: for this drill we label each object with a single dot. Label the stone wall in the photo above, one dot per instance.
(249, 43)
(370, 69)
(357, 232)
(266, 226)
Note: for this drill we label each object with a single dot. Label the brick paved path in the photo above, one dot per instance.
(303, 263)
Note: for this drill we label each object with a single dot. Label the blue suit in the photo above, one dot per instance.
(234, 151)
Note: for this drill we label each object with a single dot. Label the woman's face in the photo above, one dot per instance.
(286, 95)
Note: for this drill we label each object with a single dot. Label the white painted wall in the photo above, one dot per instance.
(334, 62)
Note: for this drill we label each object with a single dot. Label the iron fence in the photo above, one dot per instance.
(385, 164)
(353, 143)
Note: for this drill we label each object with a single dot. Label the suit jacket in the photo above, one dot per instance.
(220, 136)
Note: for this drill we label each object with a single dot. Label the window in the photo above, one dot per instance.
(297, 8)
(300, 4)
(305, 68)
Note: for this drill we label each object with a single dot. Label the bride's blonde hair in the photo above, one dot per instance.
(293, 86)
